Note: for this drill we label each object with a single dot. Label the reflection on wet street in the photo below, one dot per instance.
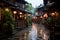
(34, 32)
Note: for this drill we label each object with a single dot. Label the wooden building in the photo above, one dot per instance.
(18, 10)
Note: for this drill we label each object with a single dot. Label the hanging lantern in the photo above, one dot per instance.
(20, 16)
(29, 14)
(6, 9)
(52, 14)
(20, 13)
(14, 12)
(41, 16)
(45, 15)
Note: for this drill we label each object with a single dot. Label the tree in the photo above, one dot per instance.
(28, 7)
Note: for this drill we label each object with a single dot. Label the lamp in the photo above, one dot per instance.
(6, 9)
(45, 15)
(14, 12)
(20, 13)
(29, 14)
(52, 14)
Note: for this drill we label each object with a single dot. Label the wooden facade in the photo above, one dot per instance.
(20, 20)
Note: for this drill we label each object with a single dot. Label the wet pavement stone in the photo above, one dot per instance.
(28, 33)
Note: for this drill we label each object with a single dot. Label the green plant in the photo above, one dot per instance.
(8, 20)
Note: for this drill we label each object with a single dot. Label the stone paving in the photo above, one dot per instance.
(30, 33)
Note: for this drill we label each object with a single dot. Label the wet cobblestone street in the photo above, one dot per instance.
(31, 33)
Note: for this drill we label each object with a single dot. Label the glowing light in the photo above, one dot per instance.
(20, 16)
(52, 14)
(44, 36)
(56, 13)
(6, 9)
(20, 13)
(48, 2)
(29, 14)
(41, 17)
(25, 17)
(34, 17)
(45, 15)
(36, 13)
(14, 12)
